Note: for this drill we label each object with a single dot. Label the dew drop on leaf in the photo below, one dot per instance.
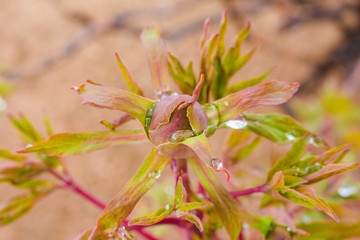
(347, 191)
(290, 136)
(216, 164)
(315, 140)
(155, 174)
(167, 207)
(288, 229)
(236, 124)
(226, 103)
(3, 104)
(181, 135)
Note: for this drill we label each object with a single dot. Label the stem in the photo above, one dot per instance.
(261, 188)
(70, 184)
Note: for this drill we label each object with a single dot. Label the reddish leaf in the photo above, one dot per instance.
(115, 98)
(269, 93)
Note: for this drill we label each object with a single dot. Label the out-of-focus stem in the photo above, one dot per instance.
(261, 188)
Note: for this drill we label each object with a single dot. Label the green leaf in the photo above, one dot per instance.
(220, 45)
(115, 98)
(77, 143)
(225, 205)
(157, 58)
(187, 207)
(23, 125)
(18, 172)
(247, 83)
(5, 87)
(180, 193)
(9, 156)
(35, 184)
(291, 181)
(156, 217)
(134, 87)
(297, 197)
(290, 158)
(193, 219)
(328, 171)
(269, 93)
(330, 230)
(220, 81)
(278, 128)
(17, 207)
(124, 202)
(213, 118)
(184, 78)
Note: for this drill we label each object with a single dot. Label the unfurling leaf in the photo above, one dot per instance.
(114, 98)
(225, 205)
(76, 143)
(124, 202)
(10, 156)
(269, 93)
(134, 87)
(157, 57)
(180, 193)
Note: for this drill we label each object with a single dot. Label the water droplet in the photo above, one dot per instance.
(226, 103)
(216, 164)
(123, 228)
(236, 124)
(3, 104)
(315, 140)
(347, 191)
(288, 229)
(290, 136)
(28, 145)
(167, 207)
(155, 174)
(181, 135)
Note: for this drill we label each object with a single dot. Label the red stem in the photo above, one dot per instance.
(261, 188)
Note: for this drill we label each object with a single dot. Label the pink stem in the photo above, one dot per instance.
(261, 188)
(70, 184)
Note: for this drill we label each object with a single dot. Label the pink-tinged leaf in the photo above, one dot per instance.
(10, 156)
(77, 143)
(193, 219)
(116, 99)
(205, 32)
(269, 93)
(225, 205)
(277, 181)
(329, 170)
(134, 87)
(321, 203)
(187, 207)
(330, 155)
(157, 58)
(124, 202)
(156, 217)
(220, 45)
(296, 197)
(180, 193)
(116, 123)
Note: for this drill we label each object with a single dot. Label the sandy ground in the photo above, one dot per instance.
(32, 31)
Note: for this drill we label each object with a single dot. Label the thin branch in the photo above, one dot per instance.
(258, 189)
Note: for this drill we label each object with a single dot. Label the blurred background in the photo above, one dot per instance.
(48, 46)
